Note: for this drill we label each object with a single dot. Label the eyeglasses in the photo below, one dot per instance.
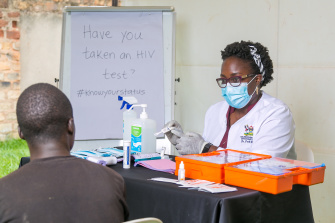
(233, 81)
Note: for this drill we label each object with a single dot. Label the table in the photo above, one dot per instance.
(172, 204)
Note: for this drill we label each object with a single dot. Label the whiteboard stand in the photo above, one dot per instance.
(168, 20)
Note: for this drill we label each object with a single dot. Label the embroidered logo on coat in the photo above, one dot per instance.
(248, 134)
(249, 130)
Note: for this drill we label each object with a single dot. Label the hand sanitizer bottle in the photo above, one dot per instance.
(143, 130)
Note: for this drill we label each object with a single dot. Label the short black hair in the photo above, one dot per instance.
(242, 51)
(43, 112)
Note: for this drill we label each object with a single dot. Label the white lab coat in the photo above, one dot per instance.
(268, 128)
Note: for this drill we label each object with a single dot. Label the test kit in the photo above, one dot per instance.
(250, 170)
(210, 166)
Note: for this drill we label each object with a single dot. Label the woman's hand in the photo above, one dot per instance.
(190, 143)
(174, 131)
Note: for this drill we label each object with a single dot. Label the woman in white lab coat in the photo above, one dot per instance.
(248, 119)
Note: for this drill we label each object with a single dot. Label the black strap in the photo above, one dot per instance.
(207, 147)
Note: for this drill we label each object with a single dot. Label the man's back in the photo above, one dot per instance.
(62, 189)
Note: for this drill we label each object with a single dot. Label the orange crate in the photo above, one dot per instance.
(314, 176)
(297, 172)
(199, 166)
(258, 181)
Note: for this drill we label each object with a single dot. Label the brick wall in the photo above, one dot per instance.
(9, 71)
(10, 11)
(54, 6)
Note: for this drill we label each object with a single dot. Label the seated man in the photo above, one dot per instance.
(55, 186)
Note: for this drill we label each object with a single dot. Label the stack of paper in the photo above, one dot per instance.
(163, 165)
(217, 188)
(110, 155)
(118, 153)
(146, 156)
(200, 185)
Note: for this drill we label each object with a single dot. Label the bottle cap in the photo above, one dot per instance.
(143, 115)
(181, 165)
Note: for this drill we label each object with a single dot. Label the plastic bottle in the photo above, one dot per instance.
(128, 116)
(142, 133)
(181, 172)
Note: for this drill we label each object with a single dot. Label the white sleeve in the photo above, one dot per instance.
(215, 123)
(206, 130)
(276, 134)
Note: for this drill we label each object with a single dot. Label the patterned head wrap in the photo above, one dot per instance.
(257, 59)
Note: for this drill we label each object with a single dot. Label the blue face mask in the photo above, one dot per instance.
(237, 97)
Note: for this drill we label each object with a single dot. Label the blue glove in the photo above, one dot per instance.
(190, 143)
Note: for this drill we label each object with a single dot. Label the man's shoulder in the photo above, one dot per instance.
(8, 182)
(13, 175)
(89, 164)
(59, 166)
(95, 168)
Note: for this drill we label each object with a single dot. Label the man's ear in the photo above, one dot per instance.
(71, 129)
(20, 133)
(70, 126)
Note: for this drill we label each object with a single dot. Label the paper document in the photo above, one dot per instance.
(200, 185)
(217, 188)
(163, 179)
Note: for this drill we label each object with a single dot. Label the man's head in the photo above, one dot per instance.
(44, 113)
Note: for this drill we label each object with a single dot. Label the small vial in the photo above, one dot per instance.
(162, 152)
(126, 154)
(181, 172)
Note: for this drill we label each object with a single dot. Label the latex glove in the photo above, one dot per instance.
(190, 143)
(175, 133)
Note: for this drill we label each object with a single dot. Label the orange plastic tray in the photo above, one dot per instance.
(271, 183)
(258, 181)
(316, 176)
(296, 172)
(214, 172)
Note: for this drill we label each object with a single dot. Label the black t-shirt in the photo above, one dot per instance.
(63, 189)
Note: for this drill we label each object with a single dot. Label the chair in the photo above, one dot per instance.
(145, 220)
(304, 153)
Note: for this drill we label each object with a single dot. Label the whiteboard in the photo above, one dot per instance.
(112, 51)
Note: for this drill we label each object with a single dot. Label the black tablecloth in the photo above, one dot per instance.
(173, 204)
(170, 203)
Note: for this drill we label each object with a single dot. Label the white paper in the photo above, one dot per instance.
(195, 183)
(163, 179)
(217, 188)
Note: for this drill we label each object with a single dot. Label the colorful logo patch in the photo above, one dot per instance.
(248, 130)
(247, 137)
